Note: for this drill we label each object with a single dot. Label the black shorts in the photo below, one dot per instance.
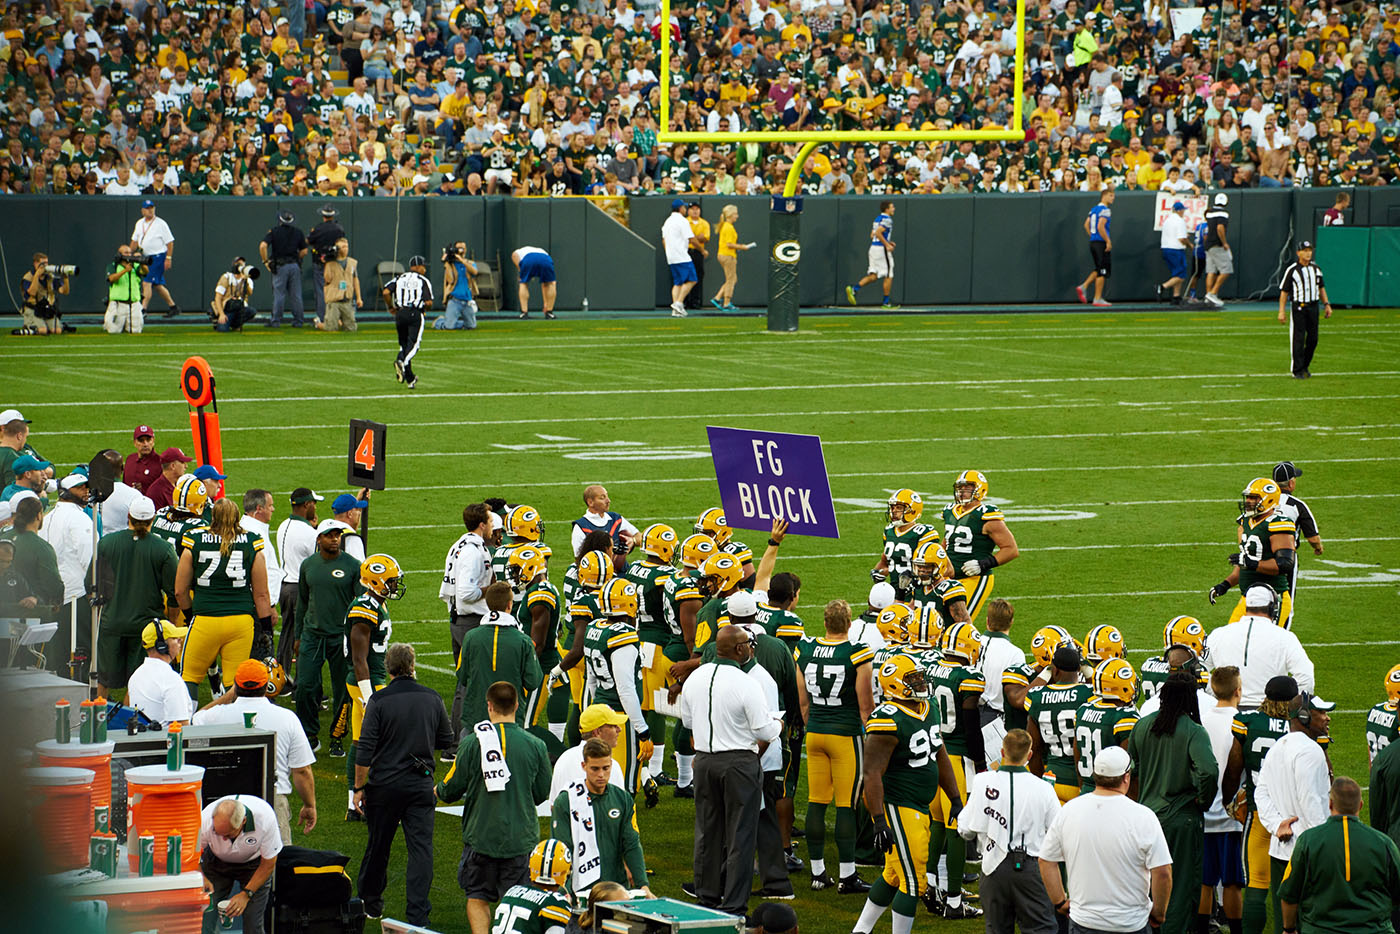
(1103, 257)
(488, 877)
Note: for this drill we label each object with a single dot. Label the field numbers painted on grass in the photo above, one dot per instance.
(1017, 514)
(576, 449)
(1351, 573)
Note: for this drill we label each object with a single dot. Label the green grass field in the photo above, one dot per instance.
(1117, 444)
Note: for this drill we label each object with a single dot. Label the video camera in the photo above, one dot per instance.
(64, 270)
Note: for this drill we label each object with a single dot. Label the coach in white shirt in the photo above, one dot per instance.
(239, 842)
(294, 755)
(68, 529)
(155, 688)
(469, 570)
(296, 541)
(1116, 857)
(998, 654)
(1294, 781)
(1009, 808)
(257, 516)
(1260, 648)
(731, 725)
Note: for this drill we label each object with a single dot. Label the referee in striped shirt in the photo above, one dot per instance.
(410, 293)
(1302, 285)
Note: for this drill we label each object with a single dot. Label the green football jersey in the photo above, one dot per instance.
(738, 551)
(571, 588)
(883, 655)
(542, 593)
(829, 671)
(1254, 543)
(1012, 715)
(964, 536)
(1055, 709)
(899, 547)
(583, 610)
(650, 577)
(369, 610)
(1257, 732)
(938, 599)
(500, 558)
(1381, 728)
(780, 624)
(526, 910)
(951, 683)
(222, 582)
(678, 588)
(911, 778)
(1152, 676)
(1099, 725)
(174, 526)
(600, 641)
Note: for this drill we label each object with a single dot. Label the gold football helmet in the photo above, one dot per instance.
(1102, 643)
(190, 496)
(525, 522)
(713, 524)
(900, 677)
(619, 598)
(1187, 631)
(695, 550)
(1046, 640)
(931, 562)
(960, 641)
(276, 676)
(893, 623)
(1115, 679)
(1392, 684)
(904, 506)
(926, 629)
(550, 863)
(594, 570)
(969, 488)
(524, 565)
(381, 576)
(1259, 498)
(719, 573)
(659, 541)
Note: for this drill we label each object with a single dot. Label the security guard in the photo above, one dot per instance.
(281, 251)
(322, 241)
(1343, 875)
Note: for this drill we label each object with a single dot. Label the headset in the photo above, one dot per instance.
(1194, 665)
(1274, 605)
(161, 645)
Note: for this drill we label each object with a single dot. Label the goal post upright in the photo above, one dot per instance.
(785, 214)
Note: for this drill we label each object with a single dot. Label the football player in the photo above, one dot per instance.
(1017, 680)
(593, 571)
(683, 596)
(903, 535)
(836, 697)
(976, 538)
(367, 633)
(936, 587)
(1051, 710)
(720, 576)
(1103, 643)
(184, 515)
(775, 612)
(1108, 717)
(1180, 631)
(1267, 549)
(540, 907)
(537, 612)
(956, 686)
(713, 523)
(650, 576)
(523, 529)
(614, 673)
(1382, 723)
(906, 766)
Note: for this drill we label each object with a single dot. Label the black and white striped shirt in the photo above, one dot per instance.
(410, 290)
(1303, 283)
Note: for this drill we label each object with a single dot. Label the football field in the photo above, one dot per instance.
(1117, 444)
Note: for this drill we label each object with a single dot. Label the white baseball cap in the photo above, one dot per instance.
(1259, 596)
(742, 603)
(1112, 762)
(331, 525)
(12, 415)
(881, 595)
(142, 508)
(1221, 199)
(72, 480)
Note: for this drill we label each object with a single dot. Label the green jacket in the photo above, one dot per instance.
(137, 575)
(1344, 877)
(615, 826)
(501, 824)
(496, 652)
(1177, 775)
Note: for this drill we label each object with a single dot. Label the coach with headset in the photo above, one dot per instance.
(156, 688)
(1259, 646)
(281, 251)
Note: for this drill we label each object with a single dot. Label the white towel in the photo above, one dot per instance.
(494, 771)
(588, 861)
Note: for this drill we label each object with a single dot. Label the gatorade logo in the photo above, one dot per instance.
(787, 251)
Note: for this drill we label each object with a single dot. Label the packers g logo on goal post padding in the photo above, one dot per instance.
(787, 251)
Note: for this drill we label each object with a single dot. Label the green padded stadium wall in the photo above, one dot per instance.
(1344, 255)
(1384, 281)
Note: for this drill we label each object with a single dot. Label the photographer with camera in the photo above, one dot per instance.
(457, 272)
(232, 306)
(322, 240)
(342, 290)
(41, 291)
(124, 308)
(281, 251)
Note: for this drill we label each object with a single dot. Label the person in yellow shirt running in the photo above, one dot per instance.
(729, 243)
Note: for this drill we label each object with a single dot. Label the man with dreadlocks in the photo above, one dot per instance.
(1176, 776)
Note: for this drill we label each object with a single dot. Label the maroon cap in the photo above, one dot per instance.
(143, 431)
(175, 454)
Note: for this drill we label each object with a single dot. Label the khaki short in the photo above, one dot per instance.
(340, 316)
(1218, 261)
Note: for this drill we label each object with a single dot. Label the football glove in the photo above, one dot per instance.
(884, 838)
(878, 575)
(903, 585)
(1219, 590)
(645, 747)
(1234, 558)
(557, 678)
(1250, 564)
(978, 566)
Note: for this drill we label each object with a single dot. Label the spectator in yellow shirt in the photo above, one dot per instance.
(1136, 158)
(282, 40)
(332, 177)
(796, 28)
(1151, 176)
(728, 257)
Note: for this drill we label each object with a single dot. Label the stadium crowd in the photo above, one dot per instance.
(538, 97)
(1189, 793)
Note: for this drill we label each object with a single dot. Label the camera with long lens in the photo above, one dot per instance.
(246, 269)
(61, 270)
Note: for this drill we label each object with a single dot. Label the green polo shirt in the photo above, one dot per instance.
(138, 575)
(1344, 877)
(500, 824)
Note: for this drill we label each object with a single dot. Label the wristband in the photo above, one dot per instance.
(774, 542)
(1062, 904)
(643, 736)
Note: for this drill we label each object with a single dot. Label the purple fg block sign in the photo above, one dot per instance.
(767, 474)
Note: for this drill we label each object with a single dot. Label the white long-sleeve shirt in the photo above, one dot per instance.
(725, 709)
(471, 575)
(998, 654)
(1261, 650)
(274, 567)
(625, 664)
(69, 531)
(296, 541)
(1293, 782)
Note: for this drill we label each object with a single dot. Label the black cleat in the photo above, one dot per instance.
(337, 750)
(688, 890)
(651, 793)
(398, 370)
(853, 885)
(793, 862)
(683, 791)
(961, 913)
(933, 900)
(823, 881)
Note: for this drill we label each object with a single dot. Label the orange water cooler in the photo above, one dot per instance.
(94, 756)
(162, 801)
(61, 803)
